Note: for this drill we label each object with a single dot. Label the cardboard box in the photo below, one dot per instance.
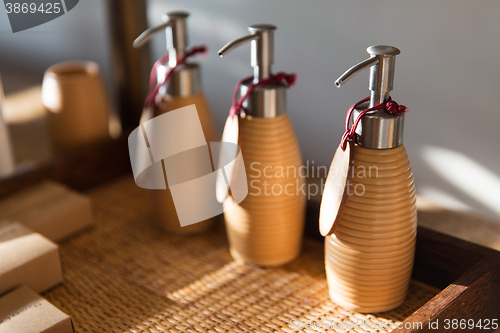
(24, 311)
(27, 258)
(29, 197)
(50, 209)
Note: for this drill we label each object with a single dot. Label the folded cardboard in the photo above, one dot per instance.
(24, 311)
(50, 209)
(27, 258)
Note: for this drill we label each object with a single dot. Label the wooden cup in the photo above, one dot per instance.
(7, 164)
(79, 109)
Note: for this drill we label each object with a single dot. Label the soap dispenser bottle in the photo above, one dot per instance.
(181, 88)
(370, 234)
(266, 227)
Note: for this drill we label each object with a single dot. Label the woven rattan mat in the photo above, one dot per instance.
(126, 275)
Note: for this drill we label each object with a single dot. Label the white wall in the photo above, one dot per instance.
(79, 34)
(447, 74)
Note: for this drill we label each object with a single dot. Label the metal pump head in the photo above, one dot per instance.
(175, 30)
(262, 49)
(269, 100)
(381, 63)
(378, 129)
(185, 79)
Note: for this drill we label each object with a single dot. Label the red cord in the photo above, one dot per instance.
(391, 106)
(155, 86)
(287, 79)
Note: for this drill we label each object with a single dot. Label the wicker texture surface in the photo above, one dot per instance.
(127, 275)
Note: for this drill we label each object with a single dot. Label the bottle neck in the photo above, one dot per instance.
(379, 129)
(184, 81)
(266, 101)
(377, 97)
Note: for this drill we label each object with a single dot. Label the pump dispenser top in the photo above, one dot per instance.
(262, 49)
(378, 129)
(266, 101)
(185, 79)
(177, 86)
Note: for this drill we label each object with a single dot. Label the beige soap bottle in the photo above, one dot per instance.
(183, 88)
(266, 227)
(369, 248)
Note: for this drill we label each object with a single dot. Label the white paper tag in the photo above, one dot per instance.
(228, 153)
(336, 190)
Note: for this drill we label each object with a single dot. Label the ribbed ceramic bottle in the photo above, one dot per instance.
(369, 258)
(164, 213)
(183, 88)
(266, 227)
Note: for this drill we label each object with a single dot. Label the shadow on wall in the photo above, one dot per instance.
(478, 183)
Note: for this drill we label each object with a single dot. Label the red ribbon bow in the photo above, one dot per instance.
(155, 86)
(287, 79)
(394, 108)
(391, 106)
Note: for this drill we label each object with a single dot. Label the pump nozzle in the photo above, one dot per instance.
(381, 64)
(175, 29)
(262, 49)
(184, 80)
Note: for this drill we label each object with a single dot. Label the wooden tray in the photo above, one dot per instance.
(467, 274)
